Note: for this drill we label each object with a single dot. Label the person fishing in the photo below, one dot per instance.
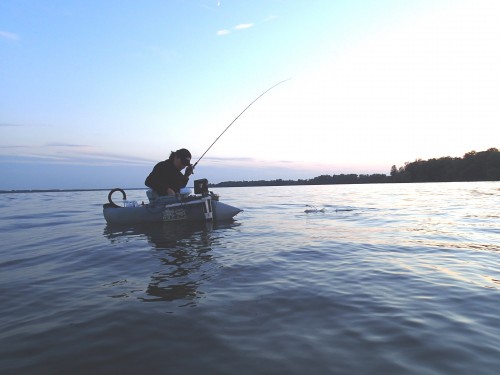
(166, 177)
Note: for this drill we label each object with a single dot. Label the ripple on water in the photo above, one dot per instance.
(406, 281)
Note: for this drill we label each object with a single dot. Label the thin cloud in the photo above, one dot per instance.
(226, 159)
(243, 26)
(68, 153)
(270, 18)
(12, 146)
(223, 32)
(10, 125)
(9, 36)
(86, 155)
(56, 144)
(76, 159)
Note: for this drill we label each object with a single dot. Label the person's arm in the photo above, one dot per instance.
(188, 172)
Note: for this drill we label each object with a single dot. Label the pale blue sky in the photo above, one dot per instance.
(94, 93)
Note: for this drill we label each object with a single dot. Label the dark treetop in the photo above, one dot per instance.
(473, 166)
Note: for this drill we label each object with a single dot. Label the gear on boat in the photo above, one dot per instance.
(204, 205)
(110, 200)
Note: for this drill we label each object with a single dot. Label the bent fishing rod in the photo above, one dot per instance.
(248, 106)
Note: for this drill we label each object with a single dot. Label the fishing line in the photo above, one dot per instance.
(269, 89)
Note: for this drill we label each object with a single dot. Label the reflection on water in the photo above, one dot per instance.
(408, 282)
(161, 235)
(184, 253)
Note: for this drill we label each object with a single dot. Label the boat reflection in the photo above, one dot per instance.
(184, 252)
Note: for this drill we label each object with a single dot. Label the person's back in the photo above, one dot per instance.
(166, 177)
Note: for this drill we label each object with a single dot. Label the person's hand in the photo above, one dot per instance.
(189, 170)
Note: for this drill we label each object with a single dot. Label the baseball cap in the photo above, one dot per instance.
(184, 155)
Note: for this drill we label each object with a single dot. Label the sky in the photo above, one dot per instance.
(94, 93)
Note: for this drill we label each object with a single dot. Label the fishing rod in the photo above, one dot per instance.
(248, 106)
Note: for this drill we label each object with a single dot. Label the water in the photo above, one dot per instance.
(399, 279)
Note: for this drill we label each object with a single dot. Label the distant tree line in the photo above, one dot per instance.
(474, 166)
(320, 180)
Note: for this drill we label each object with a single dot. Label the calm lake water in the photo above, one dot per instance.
(390, 279)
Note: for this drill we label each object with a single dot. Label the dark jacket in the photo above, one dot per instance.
(164, 176)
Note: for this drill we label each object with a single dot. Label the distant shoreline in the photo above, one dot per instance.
(473, 167)
(225, 185)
